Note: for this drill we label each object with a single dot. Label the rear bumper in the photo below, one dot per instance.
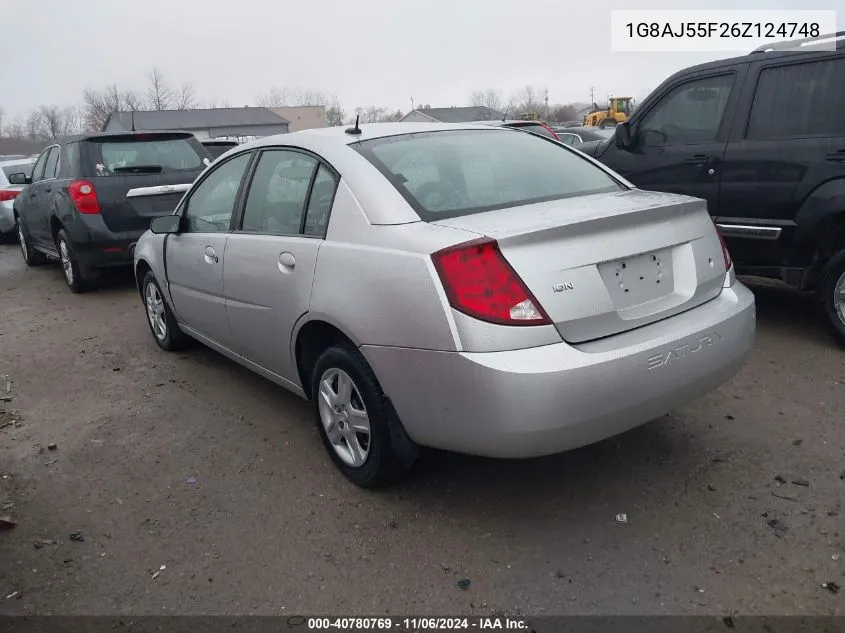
(97, 246)
(7, 217)
(549, 399)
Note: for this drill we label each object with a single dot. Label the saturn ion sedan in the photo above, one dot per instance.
(465, 287)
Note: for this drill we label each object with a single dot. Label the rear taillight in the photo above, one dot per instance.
(84, 197)
(8, 194)
(480, 283)
(725, 253)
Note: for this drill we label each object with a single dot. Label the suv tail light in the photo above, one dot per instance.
(725, 253)
(84, 197)
(8, 194)
(480, 283)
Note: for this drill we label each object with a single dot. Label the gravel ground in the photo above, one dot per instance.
(197, 487)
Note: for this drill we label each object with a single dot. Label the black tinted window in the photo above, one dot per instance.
(448, 174)
(52, 163)
(217, 150)
(799, 100)
(127, 155)
(691, 113)
(535, 128)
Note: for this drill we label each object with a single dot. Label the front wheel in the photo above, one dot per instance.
(162, 323)
(359, 428)
(31, 256)
(832, 295)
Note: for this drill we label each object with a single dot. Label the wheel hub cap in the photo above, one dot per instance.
(66, 263)
(21, 240)
(155, 311)
(839, 298)
(344, 417)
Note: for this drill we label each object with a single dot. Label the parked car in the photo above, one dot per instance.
(575, 136)
(535, 127)
(463, 287)
(91, 197)
(762, 139)
(218, 146)
(8, 192)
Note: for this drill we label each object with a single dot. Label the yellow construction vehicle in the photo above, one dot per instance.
(618, 110)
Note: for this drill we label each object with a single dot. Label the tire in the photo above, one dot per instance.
(383, 455)
(832, 295)
(70, 264)
(31, 256)
(160, 319)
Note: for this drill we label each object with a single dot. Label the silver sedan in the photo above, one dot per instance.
(468, 288)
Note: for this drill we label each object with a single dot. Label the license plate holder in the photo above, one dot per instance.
(640, 278)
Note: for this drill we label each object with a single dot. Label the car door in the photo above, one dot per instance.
(272, 255)
(678, 143)
(43, 199)
(31, 197)
(195, 257)
(788, 141)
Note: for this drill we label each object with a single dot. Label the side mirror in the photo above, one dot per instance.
(622, 135)
(19, 178)
(166, 224)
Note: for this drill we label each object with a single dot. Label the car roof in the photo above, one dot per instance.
(105, 135)
(17, 161)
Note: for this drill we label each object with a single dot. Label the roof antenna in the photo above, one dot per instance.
(505, 115)
(354, 130)
(133, 118)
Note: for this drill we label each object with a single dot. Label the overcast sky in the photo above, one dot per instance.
(367, 52)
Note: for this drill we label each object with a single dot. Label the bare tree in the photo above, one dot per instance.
(490, 98)
(335, 113)
(185, 99)
(16, 128)
(530, 99)
(560, 113)
(50, 122)
(278, 97)
(377, 114)
(99, 105)
(33, 126)
(159, 94)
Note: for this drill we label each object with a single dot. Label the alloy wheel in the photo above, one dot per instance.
(155, 311)
(64, 255)
(839, 298)
(22, 242)
(344, 417)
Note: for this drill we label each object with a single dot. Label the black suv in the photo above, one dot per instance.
(762, 139)
(91, 197)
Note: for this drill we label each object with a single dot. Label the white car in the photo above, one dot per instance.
(10, 191)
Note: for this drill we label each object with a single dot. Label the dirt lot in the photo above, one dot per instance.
(190, 466)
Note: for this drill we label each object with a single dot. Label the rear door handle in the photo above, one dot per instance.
(699, 160)
(836, 157)
(210, 255)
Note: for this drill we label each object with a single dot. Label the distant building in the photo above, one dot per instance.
(204, 123)
(466, 114)
(303, 117)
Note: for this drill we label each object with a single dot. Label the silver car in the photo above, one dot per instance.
(469, 288)
(11, 190)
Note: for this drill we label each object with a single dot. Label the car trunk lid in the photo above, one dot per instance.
(606, 263)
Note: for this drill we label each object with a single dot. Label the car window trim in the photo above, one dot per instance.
(238, 223)
(727, 119)
(336, 179)
(762, 66)
(55, 176)
(44, 154)
(184, 205)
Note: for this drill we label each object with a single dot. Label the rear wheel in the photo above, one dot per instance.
(360, 429)
(162, 323)
(70, 264)
(31, 256)
(832, 295)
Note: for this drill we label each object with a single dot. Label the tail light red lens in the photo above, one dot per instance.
(725, 253)
(480, 283)
(84, 197)
(8, 194)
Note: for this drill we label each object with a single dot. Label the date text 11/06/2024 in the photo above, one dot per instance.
(750, 30)
(418, 624)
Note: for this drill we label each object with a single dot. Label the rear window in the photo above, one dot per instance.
(218, 149)
(25, 168)
(122, 156)
(453, 173)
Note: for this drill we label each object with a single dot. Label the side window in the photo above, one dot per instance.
(320, 203)
(799, 100)
(52, 164)
(38, 170)
(70, 161)
(691, 113)
(209, 209)
(569, 139)
(276, 199)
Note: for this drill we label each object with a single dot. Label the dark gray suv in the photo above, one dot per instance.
(91, 197)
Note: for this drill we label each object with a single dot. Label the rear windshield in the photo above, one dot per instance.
(23, 168)
(120, 157)
(218, 149)
(461, 172)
